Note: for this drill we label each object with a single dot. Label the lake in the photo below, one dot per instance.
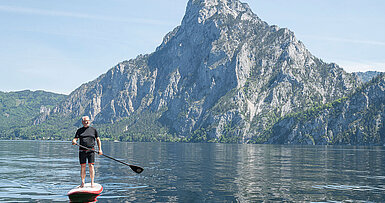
(45, 171)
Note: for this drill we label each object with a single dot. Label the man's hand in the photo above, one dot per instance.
(100, 152)
(74, 142)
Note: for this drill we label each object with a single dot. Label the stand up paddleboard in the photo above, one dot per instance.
(86, 193)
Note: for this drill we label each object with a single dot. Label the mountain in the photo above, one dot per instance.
(357, 119)
(19, 109)
(366, 76)
(223, 75)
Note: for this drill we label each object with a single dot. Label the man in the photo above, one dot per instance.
(87, 135)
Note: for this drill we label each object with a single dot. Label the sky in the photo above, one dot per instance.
(56, 45)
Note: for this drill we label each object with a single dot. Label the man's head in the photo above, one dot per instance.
(86, 121)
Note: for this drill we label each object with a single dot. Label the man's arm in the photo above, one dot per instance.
(99, 145)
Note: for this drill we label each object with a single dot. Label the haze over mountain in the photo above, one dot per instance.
(367, 76)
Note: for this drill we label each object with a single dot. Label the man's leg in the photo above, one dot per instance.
(92, 173)
(83, 174)
(91, 161)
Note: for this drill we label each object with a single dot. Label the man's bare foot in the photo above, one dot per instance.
(81, 186)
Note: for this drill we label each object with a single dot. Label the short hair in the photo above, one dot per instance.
(85, 118)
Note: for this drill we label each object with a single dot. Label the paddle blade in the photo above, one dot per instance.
(136, 169)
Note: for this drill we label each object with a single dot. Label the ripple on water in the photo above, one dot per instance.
(348, 187)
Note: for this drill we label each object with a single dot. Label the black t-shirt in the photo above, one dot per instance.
(87, 136)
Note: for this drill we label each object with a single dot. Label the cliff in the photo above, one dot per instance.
(223, 74)
(358, 119)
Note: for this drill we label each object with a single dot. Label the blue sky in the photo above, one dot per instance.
(57, 45)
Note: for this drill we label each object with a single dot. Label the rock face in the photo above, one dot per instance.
(358, 119)
(124, 89)
(223, 71)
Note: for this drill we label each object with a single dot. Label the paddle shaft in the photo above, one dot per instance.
(136, 169)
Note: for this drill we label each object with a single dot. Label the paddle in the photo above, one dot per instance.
(136, 169)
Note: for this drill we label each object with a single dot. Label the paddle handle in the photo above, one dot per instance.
(87, 148)
(136, 169)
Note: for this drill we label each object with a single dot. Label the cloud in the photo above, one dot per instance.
(31, 11)
(368, 42)
(42, 12)
(355, 41)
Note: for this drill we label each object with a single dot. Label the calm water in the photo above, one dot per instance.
(176, 172)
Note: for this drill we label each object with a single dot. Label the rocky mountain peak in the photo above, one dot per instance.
(202, 10)
(221, 67)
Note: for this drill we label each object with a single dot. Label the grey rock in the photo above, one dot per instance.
(358, 119)
(223, 69)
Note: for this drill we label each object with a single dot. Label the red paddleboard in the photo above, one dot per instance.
(86, 193)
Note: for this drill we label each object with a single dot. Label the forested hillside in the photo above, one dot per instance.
(19, 110)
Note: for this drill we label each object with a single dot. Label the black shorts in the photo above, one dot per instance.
(86, 155)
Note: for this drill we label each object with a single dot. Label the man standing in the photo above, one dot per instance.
(87, 135)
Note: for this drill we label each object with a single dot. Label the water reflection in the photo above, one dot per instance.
(84, 198)
(179, 172)
(303, 173)
(32, 171)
